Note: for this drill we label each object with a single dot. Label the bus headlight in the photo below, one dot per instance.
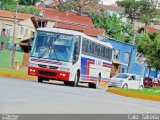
(33, 64)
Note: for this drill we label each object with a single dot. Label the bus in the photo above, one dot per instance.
(69, 56)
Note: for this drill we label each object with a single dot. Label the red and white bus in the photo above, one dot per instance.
(69, 56)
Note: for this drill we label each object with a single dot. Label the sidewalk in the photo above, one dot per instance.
(23, 74)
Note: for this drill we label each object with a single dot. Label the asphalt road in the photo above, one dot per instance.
(24, 96)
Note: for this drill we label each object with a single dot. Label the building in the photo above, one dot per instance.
(14, 28)
(67, 20)
(15, 25)
(121, 55)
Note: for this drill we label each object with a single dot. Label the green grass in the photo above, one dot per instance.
(152, 91)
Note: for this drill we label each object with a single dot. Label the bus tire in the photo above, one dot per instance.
(75, 82)
(40, 79)
(95, 85)
(66, 82)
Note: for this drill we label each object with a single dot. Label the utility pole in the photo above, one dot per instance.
(130, 57)
(13, 39)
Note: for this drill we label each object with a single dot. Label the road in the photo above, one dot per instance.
(24, 96)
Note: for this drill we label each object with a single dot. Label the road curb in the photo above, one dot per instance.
(18, 76)
(134, 95)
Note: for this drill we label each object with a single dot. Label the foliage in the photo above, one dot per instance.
(26, 2)
(9, 2)
(113, 25)
(143, 10)
(75, 5)
(30, 10)
(149, 45)
(22, 9)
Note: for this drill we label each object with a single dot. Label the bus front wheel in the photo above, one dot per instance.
(40, 79)
(75, 82)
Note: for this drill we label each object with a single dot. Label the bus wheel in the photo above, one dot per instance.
(66, 82)
(97, 82)
(75, 82)
(40, 79)
(95, 85)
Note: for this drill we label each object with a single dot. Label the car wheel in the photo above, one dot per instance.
(141, 87)
(125, 86)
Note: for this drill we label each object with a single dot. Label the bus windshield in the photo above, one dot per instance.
(55, 46)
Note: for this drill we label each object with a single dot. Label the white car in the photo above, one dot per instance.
(126, 80)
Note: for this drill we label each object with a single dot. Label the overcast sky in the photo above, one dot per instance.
(108, 2)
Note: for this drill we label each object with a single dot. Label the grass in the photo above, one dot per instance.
(150, 91)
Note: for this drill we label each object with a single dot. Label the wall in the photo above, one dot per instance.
(125, 47)
(27, 26)
(5, 58)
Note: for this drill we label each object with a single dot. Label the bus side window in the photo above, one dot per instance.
(76, 50)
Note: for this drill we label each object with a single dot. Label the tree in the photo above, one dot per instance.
(22, 9)
(149, 45)
(27, 2)
(9, 2)
(113, 25)
(75, 5)
(143, 10)
(130, 7)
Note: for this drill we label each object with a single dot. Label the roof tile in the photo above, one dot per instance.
(94, 32)
(66, 16)
(151, 29)
(20, 16)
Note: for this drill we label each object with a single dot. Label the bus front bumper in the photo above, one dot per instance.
(48, 73)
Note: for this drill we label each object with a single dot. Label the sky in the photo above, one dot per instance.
(108, 2)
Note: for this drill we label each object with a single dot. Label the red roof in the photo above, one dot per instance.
(66, 16)
(151, 29)
(20, 16)
(94, 32)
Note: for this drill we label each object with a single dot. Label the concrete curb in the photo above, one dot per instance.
(135, 95)
(18, 76)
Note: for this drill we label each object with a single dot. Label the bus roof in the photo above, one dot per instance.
(72, 32)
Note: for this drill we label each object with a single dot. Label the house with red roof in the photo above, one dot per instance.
(67, 20)
(18, 25)
(149, 29)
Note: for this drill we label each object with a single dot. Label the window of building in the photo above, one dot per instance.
(127, 55)
(6, 30)
(116, 54)
(21, 30)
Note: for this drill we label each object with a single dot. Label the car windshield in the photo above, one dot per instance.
(121, 75)
(55, 46)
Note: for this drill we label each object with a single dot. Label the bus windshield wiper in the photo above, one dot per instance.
(44, 52)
